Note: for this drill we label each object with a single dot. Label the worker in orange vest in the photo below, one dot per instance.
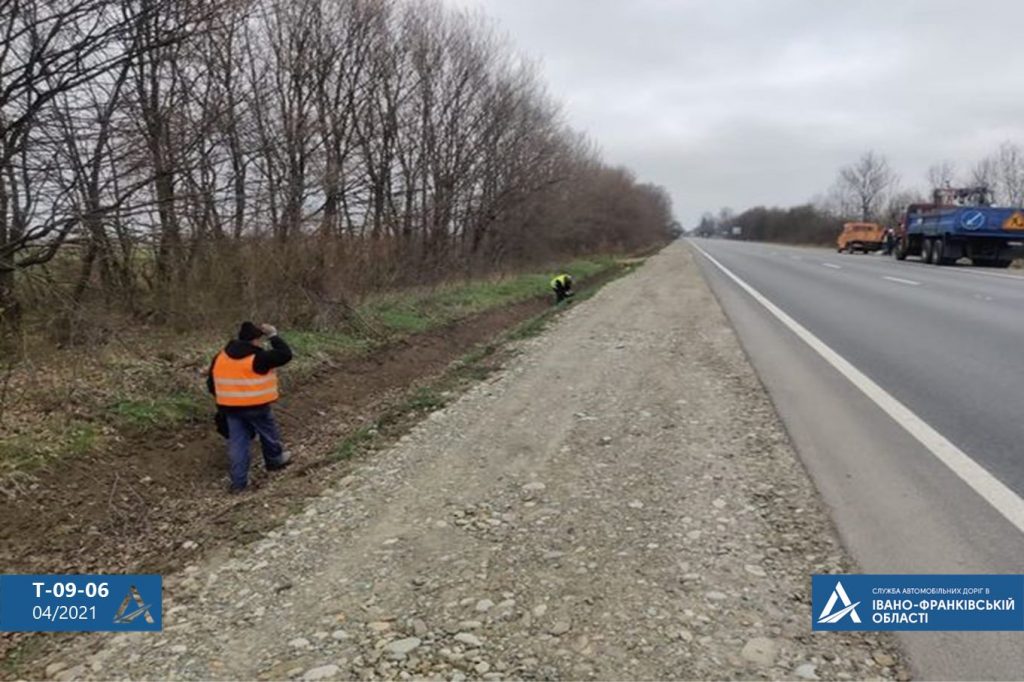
(243, 380)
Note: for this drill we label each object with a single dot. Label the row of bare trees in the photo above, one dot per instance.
(175, 158)
(806, 224)
(870, 190)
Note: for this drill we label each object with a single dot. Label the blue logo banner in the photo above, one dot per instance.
(80, 603)
(917, 602)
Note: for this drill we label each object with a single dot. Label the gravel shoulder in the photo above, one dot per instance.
(619, 502)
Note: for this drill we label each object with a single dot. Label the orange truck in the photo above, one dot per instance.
(860, 237)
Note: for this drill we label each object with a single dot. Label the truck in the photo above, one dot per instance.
(863, 237)
(961, 223)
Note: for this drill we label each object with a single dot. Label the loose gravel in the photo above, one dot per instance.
(619, 502)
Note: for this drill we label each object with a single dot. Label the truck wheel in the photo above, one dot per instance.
(939, 252)
(900, 252)
(926, 251)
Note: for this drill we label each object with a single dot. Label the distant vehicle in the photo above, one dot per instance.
(961, 223)
(863, 237)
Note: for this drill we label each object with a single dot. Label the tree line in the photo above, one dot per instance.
(179, 161)
(869, 190)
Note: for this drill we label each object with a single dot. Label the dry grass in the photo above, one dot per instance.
(73, 401)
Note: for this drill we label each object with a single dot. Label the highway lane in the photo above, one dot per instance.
(943, 341)
(948, 344)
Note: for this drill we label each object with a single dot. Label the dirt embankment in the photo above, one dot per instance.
(134, 507)
(619, 502)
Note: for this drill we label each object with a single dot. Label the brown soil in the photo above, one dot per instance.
(132, 507)
(155, 502)
(580, 479)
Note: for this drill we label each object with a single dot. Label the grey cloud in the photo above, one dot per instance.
(744, 102)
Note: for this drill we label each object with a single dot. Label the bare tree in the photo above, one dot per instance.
(941, 174)
(865, 185)
(725, 219)
(1010, 164)
(176, 148)
(51, 52)
(985, 173)
(1003, 173)
(896, 204)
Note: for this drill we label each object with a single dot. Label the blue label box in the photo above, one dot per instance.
(917, 602)
(81, 603)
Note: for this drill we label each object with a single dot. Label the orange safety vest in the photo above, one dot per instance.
(236, 384)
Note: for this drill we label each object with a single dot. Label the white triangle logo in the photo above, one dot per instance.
(839, 594)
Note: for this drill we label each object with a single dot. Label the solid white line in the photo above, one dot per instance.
(833, 266)
(903, 281)
(991, 489)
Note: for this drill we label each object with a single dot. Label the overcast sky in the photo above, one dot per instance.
(742, 102)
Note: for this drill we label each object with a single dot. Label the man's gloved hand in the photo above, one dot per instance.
(269, 329)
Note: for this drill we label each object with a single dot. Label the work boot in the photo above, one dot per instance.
(286, 459)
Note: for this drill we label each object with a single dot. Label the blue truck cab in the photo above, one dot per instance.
(961, 223)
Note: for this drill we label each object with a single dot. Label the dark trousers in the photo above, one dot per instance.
(243, 425)
(562, 293)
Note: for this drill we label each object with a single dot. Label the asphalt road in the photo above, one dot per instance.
(600, 508)
(947, 344)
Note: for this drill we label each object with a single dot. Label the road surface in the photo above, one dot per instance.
(947, 344)
(619, 502)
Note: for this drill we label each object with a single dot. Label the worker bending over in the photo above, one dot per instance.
(562, 286)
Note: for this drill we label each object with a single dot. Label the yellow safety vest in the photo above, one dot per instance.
(562, 280)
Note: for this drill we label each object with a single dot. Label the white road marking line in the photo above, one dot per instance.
(833, 266)
(991, 489)
(902, 281)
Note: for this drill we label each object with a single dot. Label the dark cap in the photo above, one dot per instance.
(249, 332)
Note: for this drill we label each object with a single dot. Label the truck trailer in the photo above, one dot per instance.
(961, 223)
